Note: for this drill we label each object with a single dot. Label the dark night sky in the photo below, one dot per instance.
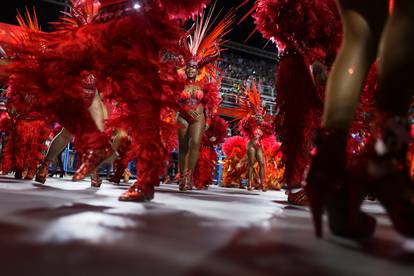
(48, 12)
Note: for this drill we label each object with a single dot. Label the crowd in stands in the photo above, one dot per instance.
(243, 67)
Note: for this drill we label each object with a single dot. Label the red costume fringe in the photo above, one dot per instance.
(25, 145)
(207, 160)
(235, 162)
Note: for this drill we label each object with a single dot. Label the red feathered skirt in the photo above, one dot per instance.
(25, 146)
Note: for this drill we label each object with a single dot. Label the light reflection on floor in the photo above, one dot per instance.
(87, 226)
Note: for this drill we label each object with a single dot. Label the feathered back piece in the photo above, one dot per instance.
(81, 12)
(28, 25)
(303, 24)
(203, 45)
(249, 103)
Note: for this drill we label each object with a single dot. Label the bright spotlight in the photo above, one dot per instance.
(137, 6)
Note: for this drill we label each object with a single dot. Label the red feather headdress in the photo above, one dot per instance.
(202, 45)
(249, 103)
(81, 12)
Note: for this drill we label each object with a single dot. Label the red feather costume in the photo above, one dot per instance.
(34, 73)
(26, 140)
(254, 128)
(207, 161)
(235, 161)
(201, 47)
(121, 46)
(307, 31)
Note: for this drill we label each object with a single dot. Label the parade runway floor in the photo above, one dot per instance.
(65, 228)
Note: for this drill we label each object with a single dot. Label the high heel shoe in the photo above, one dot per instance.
(388, 177)
(263, 186)
(121, 163)
(91, 161)
(96, 181)
(42, 171)
(119, 172)
(298, 198)
(329, 190)
(184, 182)
(190, 182)
(138, 193)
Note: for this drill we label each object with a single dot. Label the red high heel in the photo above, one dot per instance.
(190, 182)
(42, 171)
(138, 193)
(184, 181)
(91, 161)
(96, 181)
(328, 189)
(250, 183)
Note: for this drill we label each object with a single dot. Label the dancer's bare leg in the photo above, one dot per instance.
(396, 67)
(58, 144)
(195, 131)
(61, 140)
(262, 172)
(183, 140)
(363, 24)
(251, 156)
(98, 112)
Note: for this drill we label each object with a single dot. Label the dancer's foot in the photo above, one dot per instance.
(42, 171)
(298, 198)
(186, 181)
(91, 161)
(18, 175)
(96, 181)
(138, 193)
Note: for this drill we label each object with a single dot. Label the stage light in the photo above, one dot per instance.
(137, 6)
